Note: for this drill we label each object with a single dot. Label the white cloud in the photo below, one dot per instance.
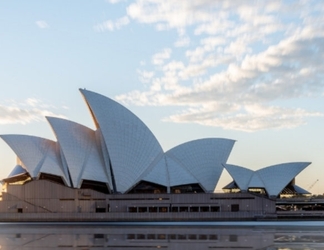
(145, 76)
(31, 110)
(251, 118)
(211, 42)
(115, 1)
(159, 58)
(42, 24)
(173, 14)
(110, 25)
(196, 55)
(214, 27)
(240, 59)
(32, 102)
(183, 41)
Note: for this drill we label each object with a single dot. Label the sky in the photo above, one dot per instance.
(246, 70)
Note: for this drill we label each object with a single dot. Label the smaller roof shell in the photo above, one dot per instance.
(38, 155)
(273, 178)
(300, 190)
(203, 159)
(277, 177)
(81, 152)
(241, 175)
(18, 170)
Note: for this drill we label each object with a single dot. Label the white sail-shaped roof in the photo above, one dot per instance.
(300, 190)
(18, 170)
(273, 178)
(131, 146)
(203, 159)
(158, 174)
(256, 181)
(178, 174)
(277, 177)
(242, 176)
(38, 155)
(81, 152)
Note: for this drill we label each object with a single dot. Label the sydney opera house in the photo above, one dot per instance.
(119, 171)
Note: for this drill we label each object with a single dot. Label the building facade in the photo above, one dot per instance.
(119, 171)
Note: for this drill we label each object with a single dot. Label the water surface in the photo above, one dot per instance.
(205, 235)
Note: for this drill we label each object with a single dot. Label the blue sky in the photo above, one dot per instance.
(251, 71)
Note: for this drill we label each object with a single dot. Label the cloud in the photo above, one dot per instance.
(167, 14)
(145, 76)
(251, 118)
(182, 41)
(31, 110)
(234, 64)
(159, 58)
(115, 1)
(42, 24)
(112, 25)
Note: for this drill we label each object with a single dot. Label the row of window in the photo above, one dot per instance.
(172, 237)
(173, 209)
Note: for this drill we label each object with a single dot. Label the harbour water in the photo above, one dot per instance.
(205, 235)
